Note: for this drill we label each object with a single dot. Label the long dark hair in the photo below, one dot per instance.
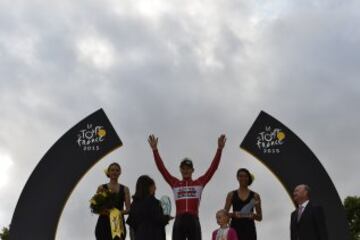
(143, 185)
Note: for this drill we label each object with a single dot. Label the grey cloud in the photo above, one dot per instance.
(300, 66)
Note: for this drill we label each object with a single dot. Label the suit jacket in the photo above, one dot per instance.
(311, 225)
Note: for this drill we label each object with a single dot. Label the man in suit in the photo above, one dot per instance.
(307, 221)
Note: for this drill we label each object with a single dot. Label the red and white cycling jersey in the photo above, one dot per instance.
(187, 192)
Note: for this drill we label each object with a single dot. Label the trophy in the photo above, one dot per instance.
(166, 205)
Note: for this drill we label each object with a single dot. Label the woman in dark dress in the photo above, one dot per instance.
(243, 202)
(103, 229)
(146, 216)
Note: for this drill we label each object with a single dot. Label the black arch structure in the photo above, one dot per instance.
(293, 163)
(44, 196)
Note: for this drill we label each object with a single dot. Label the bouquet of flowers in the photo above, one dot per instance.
(102, 201)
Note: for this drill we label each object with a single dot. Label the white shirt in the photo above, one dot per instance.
(301, 209)
(304, 204)
(222, 234)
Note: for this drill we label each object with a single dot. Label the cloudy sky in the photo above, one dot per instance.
(186, 71)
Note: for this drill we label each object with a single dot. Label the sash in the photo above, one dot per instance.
(116, 223)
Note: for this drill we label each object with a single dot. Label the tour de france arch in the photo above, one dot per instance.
(39, 208)
(44, 196)
(293, 163)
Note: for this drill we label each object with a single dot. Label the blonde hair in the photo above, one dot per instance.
(223, 211)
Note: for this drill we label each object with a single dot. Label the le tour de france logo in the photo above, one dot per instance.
(270, 140)
(90, 138)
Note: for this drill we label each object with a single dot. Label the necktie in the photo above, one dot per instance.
(300, 211)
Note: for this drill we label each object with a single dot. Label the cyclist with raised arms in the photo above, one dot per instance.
(187, 192)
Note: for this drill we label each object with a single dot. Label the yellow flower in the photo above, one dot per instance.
(252, 177)
(93, 202)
